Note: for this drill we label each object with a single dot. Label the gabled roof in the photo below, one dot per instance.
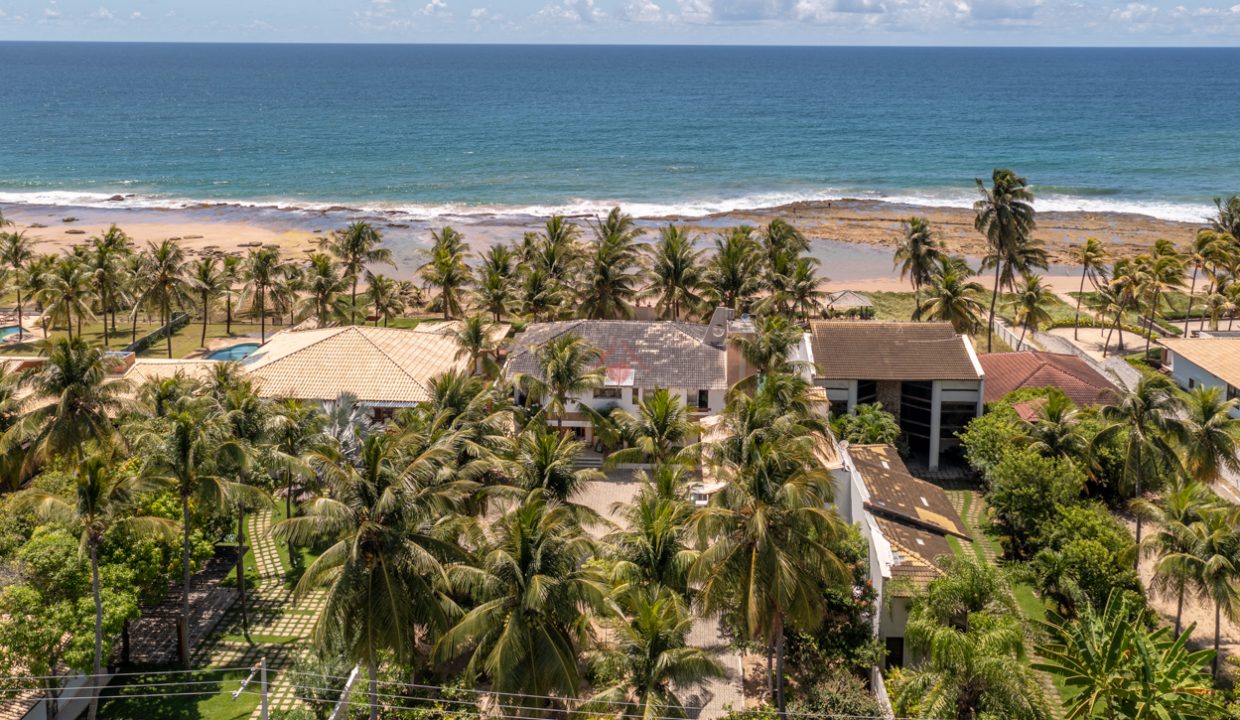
(146, 369)
(848, 299)
(635, 352)
(880, 350)
(897, 495)
(381, 366)
(1219, 356)
(1082, 384)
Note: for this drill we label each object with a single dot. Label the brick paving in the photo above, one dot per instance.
(280, 629)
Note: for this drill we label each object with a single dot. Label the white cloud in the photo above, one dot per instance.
(102, 14)
(478, 14)
(51, 11)
(696, 11)
(135, 15)
(642, 11)
(436, 8)
(579, 11)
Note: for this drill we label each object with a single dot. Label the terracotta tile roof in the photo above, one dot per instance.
(659, 354)
(917, 552)
(145, 369)
(880, 350)
(1082, 384)
(381, 366)
(896, 494)
(1219, 356)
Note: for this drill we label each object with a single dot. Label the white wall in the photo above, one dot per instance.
(625, 401)
(1188, 375)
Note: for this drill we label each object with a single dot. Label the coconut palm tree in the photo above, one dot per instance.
(475, 341)
(675, 273)
(1056, 431)
(263, 273)
(324, 289)
(534, 599)
(540, 295)
(16, 253)
(384, 573)
(1147, 419)
(1227, 219)
(917, 255)
(382, 295)
(105, 500)
(657, 432)
(1091, 255)
(106, 261)
(496, 290)
(186, 451)
(75, 403)
(298, 430)
(953, 298)
(356, 246)
(1030, 305)
(733, 273)
(766, 537)
(1212, 435)
(803, 289)
(650, 659)
(230, 268)
(651, 550)
(1162, 273)
(612, 276)
(767, 350)
(966, 630)
(1173, 515)
(446, 269)
(1217, 576)
(68, 293)
(545, 461)
(557, 250)
(1005, 215)
(208, 282)
(568, 365)
(165, 283)
(1206, 247)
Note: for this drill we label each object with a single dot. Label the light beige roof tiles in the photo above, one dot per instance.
(1219, 356)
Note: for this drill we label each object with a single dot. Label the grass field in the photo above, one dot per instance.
(208, 696)
(184, 341)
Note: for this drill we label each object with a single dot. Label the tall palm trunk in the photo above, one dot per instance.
(1076, 322)
(203, 341)
(288, 511)
(183, 621)
(1192, 288)
(20, 330)
(94, 589)
(353, 302)
(1149, 331)
(1214, 662)
(228, 315)
(994, 297)
(167, 318)
(372, 671)
(262, 316)
(1024, 328)
(133, 333)
(1179, 609)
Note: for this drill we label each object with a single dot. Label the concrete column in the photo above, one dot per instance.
(852, 396)
(936, 417)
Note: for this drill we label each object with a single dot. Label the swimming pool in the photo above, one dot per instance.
(236, 352)
(6, 332)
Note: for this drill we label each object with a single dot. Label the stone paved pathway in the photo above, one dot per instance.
(280, 629)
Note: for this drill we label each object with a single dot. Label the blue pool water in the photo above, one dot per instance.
(6, 332)
(236, 352)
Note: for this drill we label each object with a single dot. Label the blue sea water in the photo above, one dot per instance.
(525, 129)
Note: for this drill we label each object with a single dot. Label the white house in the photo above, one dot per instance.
(1205, 361)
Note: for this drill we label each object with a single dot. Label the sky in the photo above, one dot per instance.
(755, 22)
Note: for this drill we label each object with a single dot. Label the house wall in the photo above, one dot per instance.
(1188, 375)
(625, 402)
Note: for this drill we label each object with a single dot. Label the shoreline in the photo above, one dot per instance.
(854, 237)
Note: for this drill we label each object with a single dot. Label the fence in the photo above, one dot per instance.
(178, 321)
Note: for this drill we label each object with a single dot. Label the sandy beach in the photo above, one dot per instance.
(853, 238)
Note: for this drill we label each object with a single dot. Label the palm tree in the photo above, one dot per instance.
(1030, 305)
(1092, 257)
(967, 632)
(106, 261)
(1212, 435)
(475, 341)
(675, 272)
(612, 277)
(1056, 431)
(1147, 418)
(69, 293)
(535, 596)
(650, 659)
(733, 274)
(569, 365)
(324, 289)
(804, 288)
(539, 294)
(209, 283)
(384, 572)
(1173, 515)
(34, 280)
(75, 403)
(263, 273)
(767, 350)
(16, 253)
(297, 430)
(650, 550)
(382, 296)
(917, 255)
(446, 269)
(1163, 272)
(185, 453)
(1214, 546)
(545, 461)
(1205, 247)
(355, 246)
(104, 500)
(765, 539)
(1119, 669)
(953, 298)
(1227, 219)
(165, 283)
(230, 268)
(495, 292)
(657, 432)
(557, 250)
(1005, 215)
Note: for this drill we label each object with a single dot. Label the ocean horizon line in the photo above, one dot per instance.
(791, 46)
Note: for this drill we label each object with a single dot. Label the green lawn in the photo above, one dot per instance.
(128, 699)
(305, 555)
(184, 341)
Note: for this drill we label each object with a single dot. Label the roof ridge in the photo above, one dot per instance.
(338, 330)
(385, 354)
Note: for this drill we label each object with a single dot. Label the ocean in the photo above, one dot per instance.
(526, 130)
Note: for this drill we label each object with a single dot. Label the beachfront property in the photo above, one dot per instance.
(1077, 379)
(924, 373)
(906, 523)
(1209, 360)
(695, 362)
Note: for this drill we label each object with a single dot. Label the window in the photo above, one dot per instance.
(1192, 383)
(636, 396)
(1232, 393)
(612, 393)
(703, 400)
